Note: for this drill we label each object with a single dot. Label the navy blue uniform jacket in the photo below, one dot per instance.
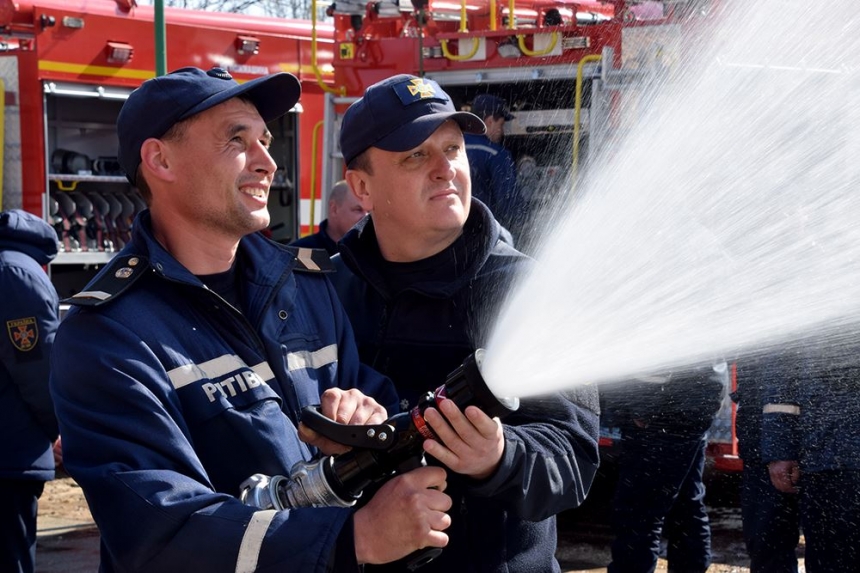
(28, 316)
(815, 416)
(494, 180)
(168, 398)
(318, 240)
(754, 376)
(421, 334)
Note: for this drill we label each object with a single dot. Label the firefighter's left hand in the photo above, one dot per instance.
(344, 407)
(472, 443)
(785, 475)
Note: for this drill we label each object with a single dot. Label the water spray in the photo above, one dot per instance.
(720, 220)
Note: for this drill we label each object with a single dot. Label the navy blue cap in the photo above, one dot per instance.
(161, 102)
(398, 114)
(486, 105)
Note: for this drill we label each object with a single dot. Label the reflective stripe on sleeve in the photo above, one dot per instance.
(252, 541)
(482, 147)
(214, 369)
(312, 360)
(781, 409)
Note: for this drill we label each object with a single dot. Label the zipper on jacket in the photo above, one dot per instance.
(380, 337)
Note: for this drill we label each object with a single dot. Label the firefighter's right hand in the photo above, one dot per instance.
(785, 475)
(409, 512)
(344, 407)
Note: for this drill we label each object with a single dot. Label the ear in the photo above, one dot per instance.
(155, 160)
(358, 185)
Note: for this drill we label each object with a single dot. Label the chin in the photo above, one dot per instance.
(258, 221)
(462, 212)
(456, 219)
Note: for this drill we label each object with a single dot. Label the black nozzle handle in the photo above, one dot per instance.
(371, 437)
(422, 557)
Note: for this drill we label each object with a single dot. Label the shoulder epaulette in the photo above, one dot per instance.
(120, 274)
(312, 260)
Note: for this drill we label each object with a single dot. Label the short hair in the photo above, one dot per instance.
(176, 132)
(338, 191)
(361, 162)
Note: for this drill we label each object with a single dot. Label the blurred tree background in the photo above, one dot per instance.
(277, 8)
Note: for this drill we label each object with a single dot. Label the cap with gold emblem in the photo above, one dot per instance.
(398, 114)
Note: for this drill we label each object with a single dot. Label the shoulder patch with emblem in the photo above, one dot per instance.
(121, 273)
(23, 332)
(312, 260)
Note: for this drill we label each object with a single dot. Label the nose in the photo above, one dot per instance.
(261, 160)
(444, 167)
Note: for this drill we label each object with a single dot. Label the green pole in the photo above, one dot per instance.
(160, 40)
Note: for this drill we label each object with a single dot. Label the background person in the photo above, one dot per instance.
(494, 179)
(810, 432)
(211, 338)
(344, 211)
(421, 278)
(29, 314)
(664, 422)
(771, 520)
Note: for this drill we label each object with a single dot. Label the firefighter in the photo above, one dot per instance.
(494, 179)
(771, 522)
(664, 423)
(344, 211)
(181, 370)
(421, 278)
(810, 437)
(29, 313)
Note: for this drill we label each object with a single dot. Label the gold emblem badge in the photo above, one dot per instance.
(24, 333)
(123, 273)
(421, 88)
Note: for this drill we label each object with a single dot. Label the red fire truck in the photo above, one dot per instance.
(559, 63)
(562, 65)
(67, 66)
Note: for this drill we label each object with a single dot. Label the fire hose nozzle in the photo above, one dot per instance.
(338, 481)
(261, 491)
(307, 486)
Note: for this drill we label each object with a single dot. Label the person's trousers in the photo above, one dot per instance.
(18, 506)
(830, 517)
(660, 493)
(771, 521)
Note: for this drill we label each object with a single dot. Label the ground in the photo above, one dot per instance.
(63, 500)
(68, 540)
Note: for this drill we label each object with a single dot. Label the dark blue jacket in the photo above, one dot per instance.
(419, 335)
(681, 403)
(754, 377)
(29, 317)
(494, 180)
(318, 240)
(168, 398)
(812, 410)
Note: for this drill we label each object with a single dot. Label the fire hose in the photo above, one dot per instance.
(379, 451)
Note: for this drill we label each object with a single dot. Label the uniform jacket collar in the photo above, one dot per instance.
(262, 258)
(360, 252)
